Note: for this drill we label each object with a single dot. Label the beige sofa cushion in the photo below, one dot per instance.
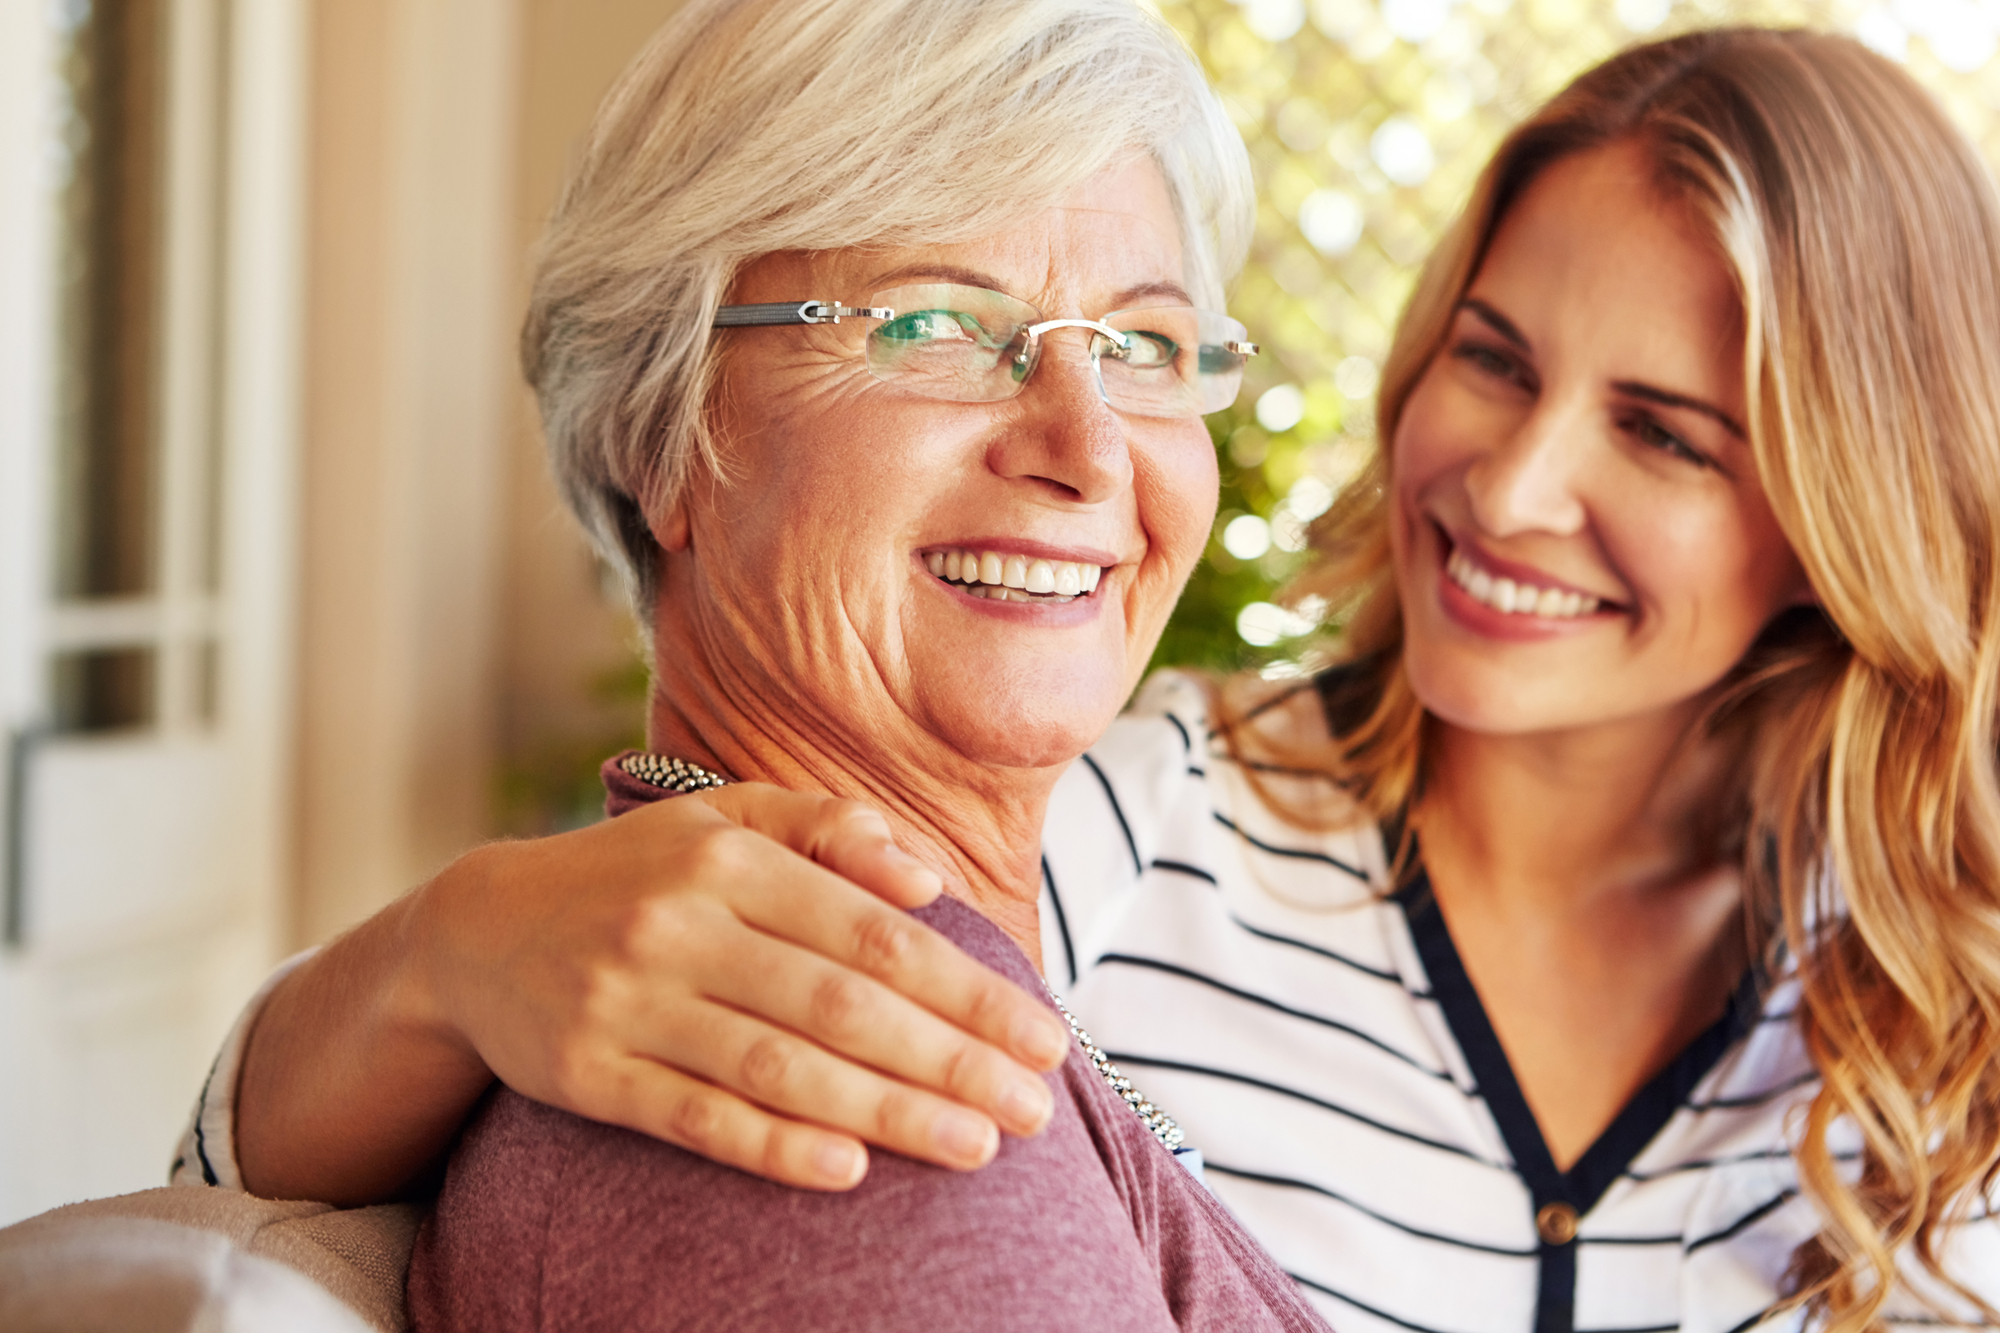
(193, 1258)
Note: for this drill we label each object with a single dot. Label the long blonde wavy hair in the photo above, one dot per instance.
(1863, 233)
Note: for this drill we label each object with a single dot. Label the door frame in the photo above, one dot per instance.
(249, 182)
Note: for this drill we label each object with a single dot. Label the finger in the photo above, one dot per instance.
(843, 835)
(710, 1122)
(781, 893)
(858, 1018)
(856, 842)
(910, 958)
(783, 1073)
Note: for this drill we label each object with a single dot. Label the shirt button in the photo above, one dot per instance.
(1556, 1223)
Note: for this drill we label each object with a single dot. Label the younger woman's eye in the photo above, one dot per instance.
(1649, 432)
(1491, 360)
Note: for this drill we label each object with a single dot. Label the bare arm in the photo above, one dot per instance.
(708, 970)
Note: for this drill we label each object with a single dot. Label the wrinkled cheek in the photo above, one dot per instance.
(1178, 489)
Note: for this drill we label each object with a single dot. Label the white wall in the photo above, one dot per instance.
(409, 401)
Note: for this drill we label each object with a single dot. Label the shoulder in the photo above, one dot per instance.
(551, 1221)
(1284, 826)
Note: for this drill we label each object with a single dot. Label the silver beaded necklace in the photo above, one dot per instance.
(1152, 1117)
(670, 774)
(680, 776)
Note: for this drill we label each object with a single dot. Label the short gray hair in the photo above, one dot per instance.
(747, 127)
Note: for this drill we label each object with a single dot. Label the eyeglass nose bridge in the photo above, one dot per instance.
(1034, 332)
(1030, 354)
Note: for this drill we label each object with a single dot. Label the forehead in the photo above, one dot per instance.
(1114, 235)
(1595, 248)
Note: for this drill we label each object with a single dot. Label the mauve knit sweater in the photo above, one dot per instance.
(549, 1221)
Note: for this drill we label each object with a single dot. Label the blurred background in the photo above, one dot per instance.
(289, 612)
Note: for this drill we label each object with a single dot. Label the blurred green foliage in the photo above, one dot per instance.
(552, 784)
(1367, 123)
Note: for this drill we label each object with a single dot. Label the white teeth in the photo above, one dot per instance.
(1013, 578)
(1521, 599)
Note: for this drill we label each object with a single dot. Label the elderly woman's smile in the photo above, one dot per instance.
(982, 581)
(1031, 579)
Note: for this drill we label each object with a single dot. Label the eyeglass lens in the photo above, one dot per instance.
(971, 345)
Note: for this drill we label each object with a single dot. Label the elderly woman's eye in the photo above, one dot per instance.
(924, 326)
(1144, 350)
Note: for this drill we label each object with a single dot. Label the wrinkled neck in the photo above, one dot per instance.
(978, 825)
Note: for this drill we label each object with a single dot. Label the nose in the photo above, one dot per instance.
(1529, 482)
(1064, 434)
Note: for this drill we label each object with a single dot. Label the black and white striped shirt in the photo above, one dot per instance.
(1322, 1047)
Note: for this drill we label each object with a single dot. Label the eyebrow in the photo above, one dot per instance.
(1498, 322)
(1506, 328)
(1144, 290)
(1668, 398)
(940, 272)
(967, 277)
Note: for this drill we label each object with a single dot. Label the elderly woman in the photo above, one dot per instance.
(870, 338)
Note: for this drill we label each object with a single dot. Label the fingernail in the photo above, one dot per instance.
(1041, 1040)
(837, 1161)
(1026, 1105)
(965, 1136)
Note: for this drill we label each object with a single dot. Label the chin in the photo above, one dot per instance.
(1016, 709)
(1472, 700)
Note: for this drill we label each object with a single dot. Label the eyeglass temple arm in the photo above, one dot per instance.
(794, 312)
